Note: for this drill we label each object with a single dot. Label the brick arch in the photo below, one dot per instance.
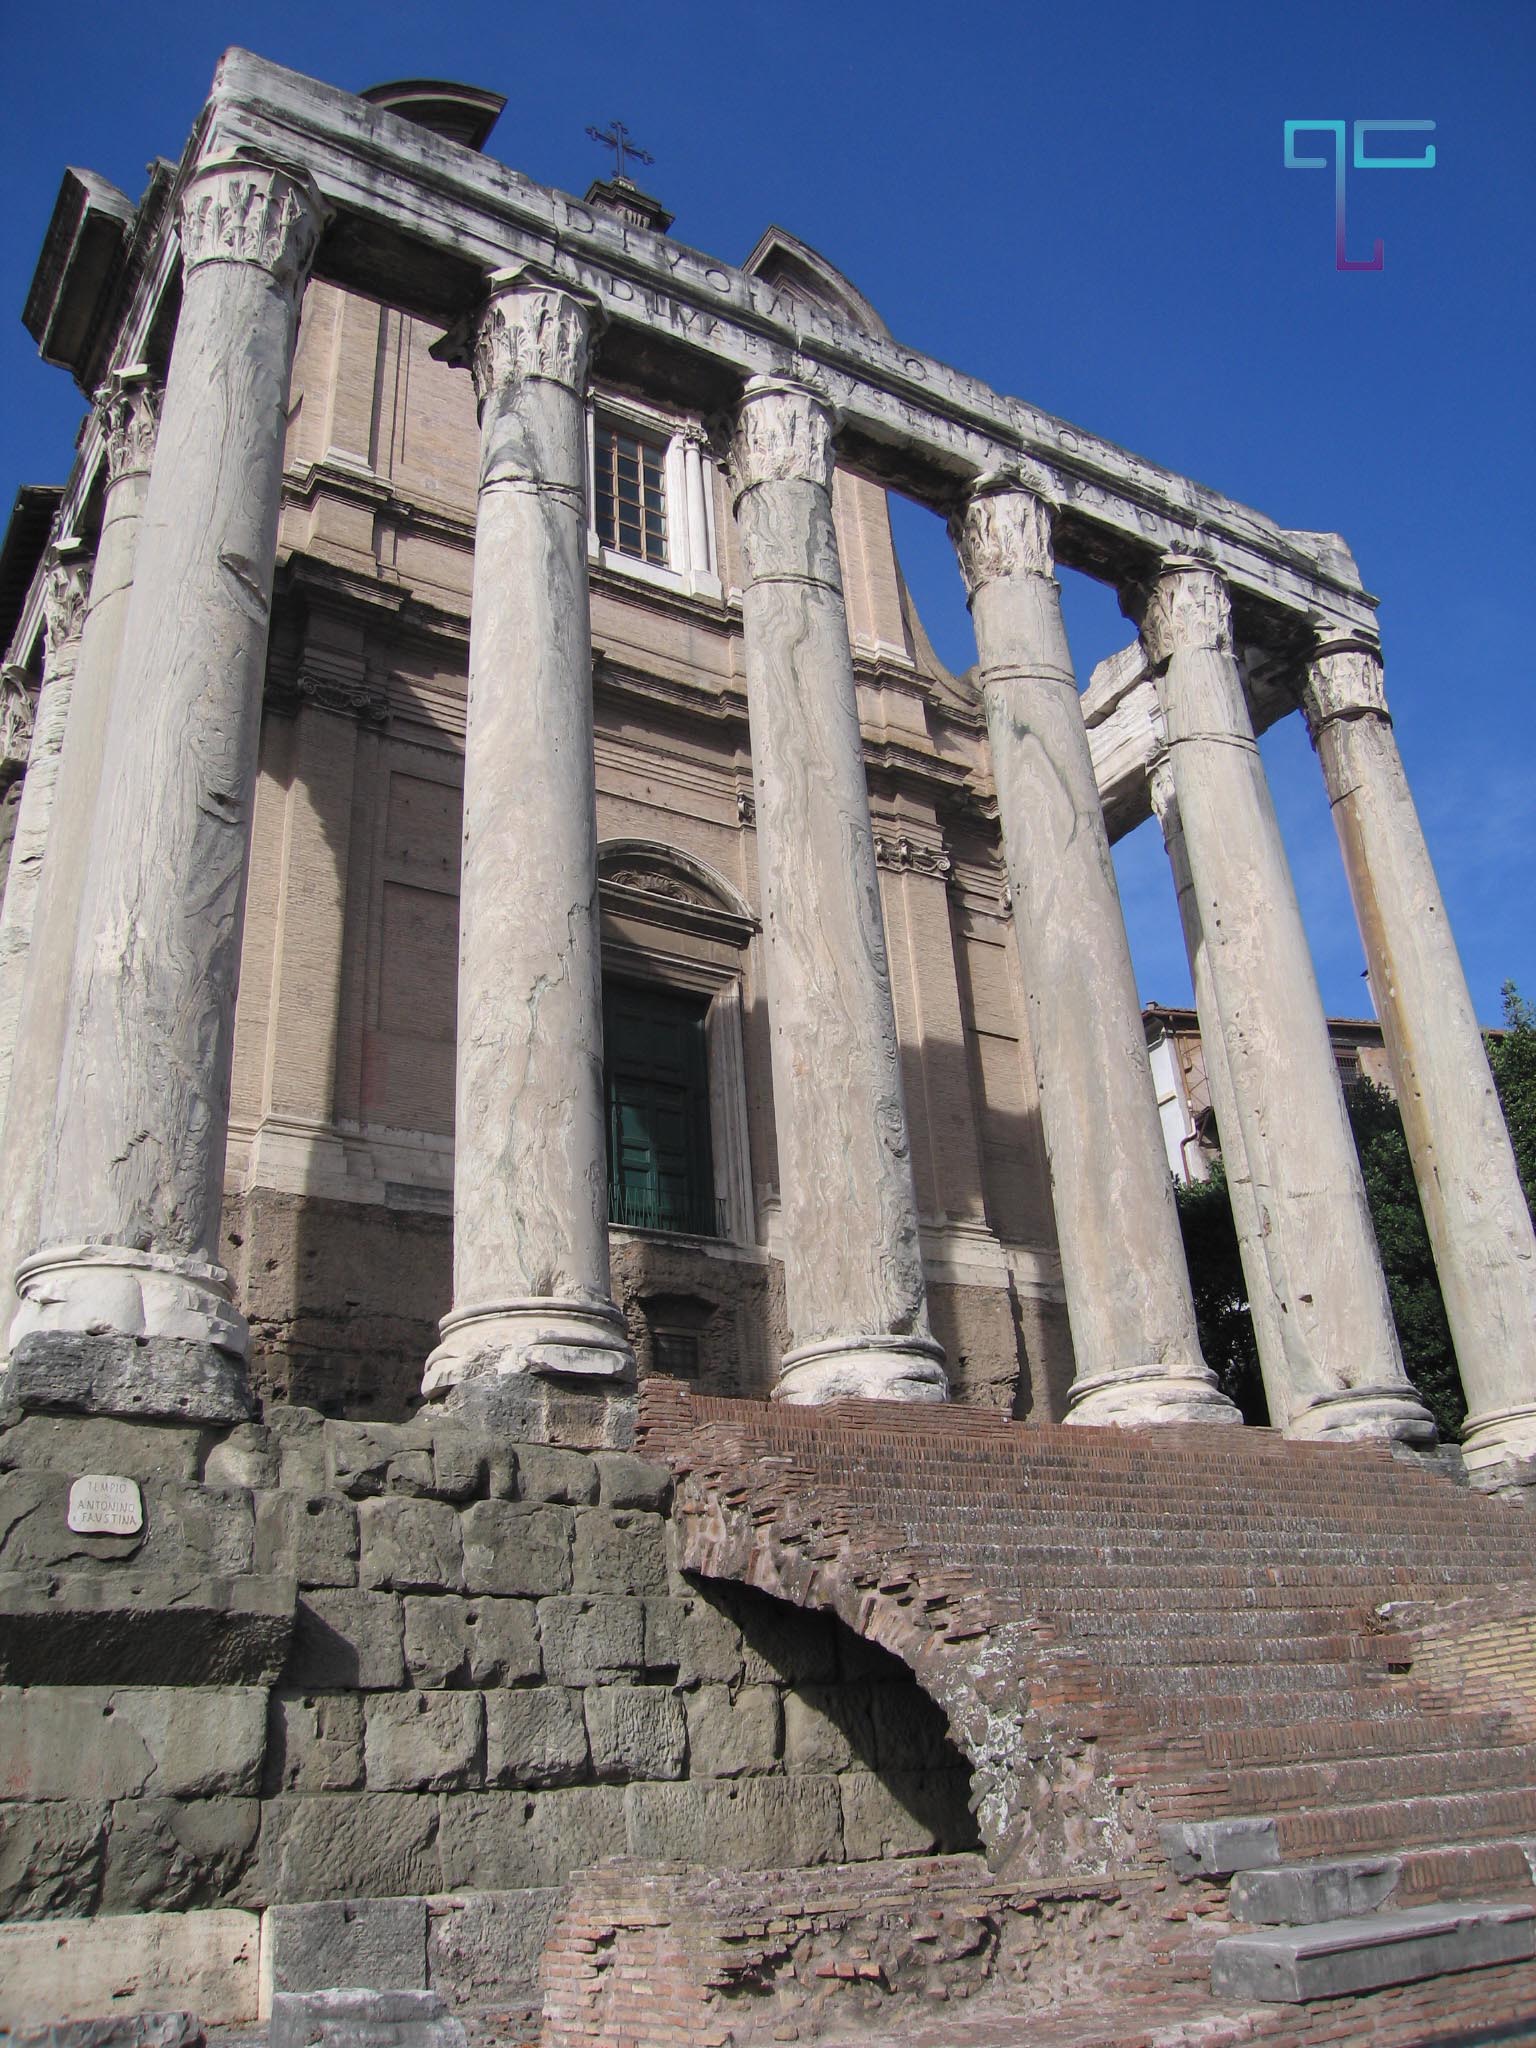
(1024, 1711)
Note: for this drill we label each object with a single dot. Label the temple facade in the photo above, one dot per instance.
(506, 905)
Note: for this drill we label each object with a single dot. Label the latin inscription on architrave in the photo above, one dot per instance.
(101, 1504)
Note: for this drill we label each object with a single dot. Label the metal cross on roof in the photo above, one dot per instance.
(616, 138)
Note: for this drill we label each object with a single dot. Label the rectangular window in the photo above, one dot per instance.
(660, 1172)
(631, 506)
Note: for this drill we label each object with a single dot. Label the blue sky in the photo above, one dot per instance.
(1086, 205)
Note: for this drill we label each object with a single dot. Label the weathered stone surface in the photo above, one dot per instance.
(732, 1735)
(460, 1463)
(618, 1551)
(483, 1948)
(349, 1845)
(100, 1742)
(173, 1379)
(1298, 1894)
(189, 1531)
(694, 1639)
(363, 2019)
(51, 1859)
(314, 1743)
(423, 1741)
(103, 1443)
(126, 1963)
(1214, 1848)
(1336, 1957)
(482, 1641)
(783, 1644)
(591, 1641)
(534, 1737)
(248, 1456)
(410, 1546)
(636, 1731)
(347, 1639)
(627, 1481)
(170, 1854)
(62, 1628)
(123, 2030)
(546, 1473)
(366, 1459)
(878, 1821)
(370, 1944)
(510, 1841)
(746, 1823)
(311, 1537)
(853, 1269)
(910, 1732)
(512, 1548)
(821, 1726)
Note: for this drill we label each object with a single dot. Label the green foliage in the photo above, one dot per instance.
(1210, 1241)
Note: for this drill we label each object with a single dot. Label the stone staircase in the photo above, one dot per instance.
(1306, 1670)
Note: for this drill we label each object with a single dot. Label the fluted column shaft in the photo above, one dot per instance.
(125, 1308)
(1122, 1257)
(530, 1214)
(1343, 1368)
(130, 407)
(64, 617)
(1469, 1188)
(853, 1270)
(1247, 1223)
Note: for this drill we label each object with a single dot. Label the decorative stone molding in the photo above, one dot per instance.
(530, 327)
(359, 697)
(238, 211)
(902, 856)
(1343, 680)
(130, 411)
(66, 596)
(1186, 606)
(784, 434)
(17, 712)
(1002, 530)
(746, 808)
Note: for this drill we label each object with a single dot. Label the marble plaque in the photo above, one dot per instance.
(101, 1504)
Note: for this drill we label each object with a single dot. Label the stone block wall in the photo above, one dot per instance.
(442, 1665)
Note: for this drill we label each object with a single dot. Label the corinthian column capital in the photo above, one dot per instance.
(130, 415)
(65, 597)
(784, 433)
(237, 211)
(1343, 680)
(1186, 608)
(531, 325)
(1003, 529)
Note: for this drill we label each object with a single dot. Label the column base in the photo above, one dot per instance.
(1148, 1398)
(863, 1369)
(103, 1329)
(1365, 1414)
(578, 1340)
(1499, 1450)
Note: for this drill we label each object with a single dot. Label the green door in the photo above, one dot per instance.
(659, 1162)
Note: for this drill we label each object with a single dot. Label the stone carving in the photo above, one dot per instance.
(17, 712)
(1002, 532)
(746, 808)
(65, 597)
(902, 856)
(530, 329)
(241, 212)
(784, 433)
(359, 697)
(130, 421)
(1343, 680)
(1186, 607)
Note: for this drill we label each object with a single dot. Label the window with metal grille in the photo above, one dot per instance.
(631, 494)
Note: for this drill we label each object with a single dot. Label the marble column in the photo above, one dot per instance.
(853, 1269)
(1262, 1306)
(1469, 1189)
(1343, 1369)
(130, 407)
(530, 1199)
(1122, 1257)
(125, 1308)
(64, 607)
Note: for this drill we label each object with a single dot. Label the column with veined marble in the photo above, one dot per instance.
(853, 1269)
(125, 1308)
(530, 1204)
(64, 607)
(129, 407)
(1343, 1368)
(1474, 1208)
(1122, 1257)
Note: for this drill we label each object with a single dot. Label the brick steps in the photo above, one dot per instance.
(1356, 1780)
(1446, 1819)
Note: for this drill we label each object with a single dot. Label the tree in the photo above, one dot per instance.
(1221, 1294)
(1513, 1060)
